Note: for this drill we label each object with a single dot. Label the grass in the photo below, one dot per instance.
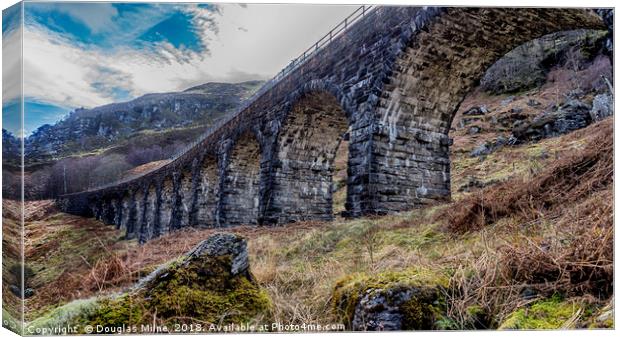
(504, 263)
(61, 254)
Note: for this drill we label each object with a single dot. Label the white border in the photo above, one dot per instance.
(473, 3)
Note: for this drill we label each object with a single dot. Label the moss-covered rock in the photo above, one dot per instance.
(552, 313)
(210, 284)
(410, 300)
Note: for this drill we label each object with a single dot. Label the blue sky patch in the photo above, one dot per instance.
(37, 114)
(113, 25)
(11, 117)
(169, 30)
(105, 28)
(11, 17)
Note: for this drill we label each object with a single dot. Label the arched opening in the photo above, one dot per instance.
(240, 190)
(410, 145)
(108, 212)
(303, 175)
(207, 191)
(130, 213)
(95, 209)
(543, 88)
(165, 208)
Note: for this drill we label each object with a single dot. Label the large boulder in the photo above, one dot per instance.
(602, 107)
(571, 116)
(210, 284)
(410, 300)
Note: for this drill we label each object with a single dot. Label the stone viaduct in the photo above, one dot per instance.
(390, 83)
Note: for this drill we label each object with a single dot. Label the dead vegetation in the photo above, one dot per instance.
(563, 220)
(565, 181)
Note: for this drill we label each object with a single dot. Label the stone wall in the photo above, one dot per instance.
(392, 82)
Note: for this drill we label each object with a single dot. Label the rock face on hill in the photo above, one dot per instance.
(88, 129)
(527, 66)
(10, 147)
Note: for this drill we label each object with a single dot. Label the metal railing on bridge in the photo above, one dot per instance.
(359, 13)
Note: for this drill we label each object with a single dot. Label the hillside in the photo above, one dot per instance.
(116, 138)
(87, 130)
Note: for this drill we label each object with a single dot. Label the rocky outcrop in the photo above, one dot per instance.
(391, 301)
(571, 116)
(527, 66)
(10, 148)
(602, 107)
(210, 284)
(608, 17)
(488, 147)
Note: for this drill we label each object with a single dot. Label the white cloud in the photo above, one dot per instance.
(96, 16)
(62, 72)
(11, 67)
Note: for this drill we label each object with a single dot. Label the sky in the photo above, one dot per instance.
(90, 54)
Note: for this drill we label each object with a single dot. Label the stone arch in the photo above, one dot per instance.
(438, 67)
(326, 88)
(302, 172)
(207, 192)
(166, 206)
(240, 191)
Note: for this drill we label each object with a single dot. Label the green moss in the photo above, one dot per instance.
(551, 313)
(201, 291)
(425, 307)
(116, 312)
(68, 314)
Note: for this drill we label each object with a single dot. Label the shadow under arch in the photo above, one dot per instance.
(151, 208)
(207, 192)
(166, 205)
(240, 183)
(303, 166)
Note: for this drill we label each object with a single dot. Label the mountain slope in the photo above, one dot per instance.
(90, 129)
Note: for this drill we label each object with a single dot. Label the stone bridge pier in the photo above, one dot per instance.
(390, 83)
